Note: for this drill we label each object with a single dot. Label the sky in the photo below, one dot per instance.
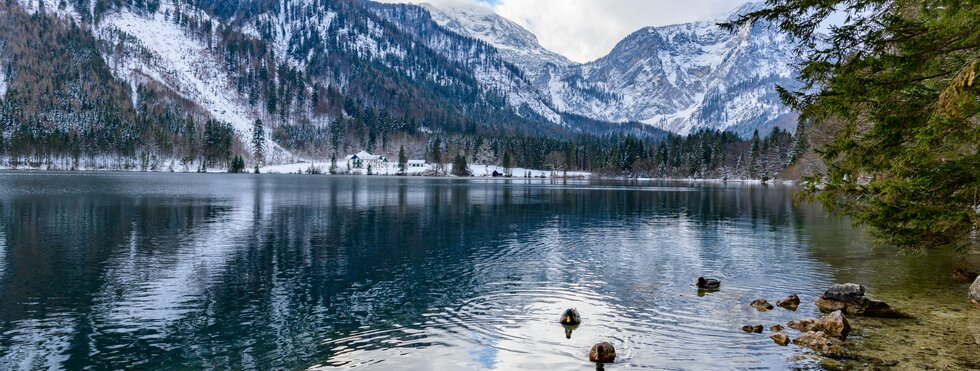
(585, 30)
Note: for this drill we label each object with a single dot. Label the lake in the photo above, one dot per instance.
(142, 270)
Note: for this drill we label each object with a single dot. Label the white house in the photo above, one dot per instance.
(416, 163)
(364, 159)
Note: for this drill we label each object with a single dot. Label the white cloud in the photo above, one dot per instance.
(584, 30)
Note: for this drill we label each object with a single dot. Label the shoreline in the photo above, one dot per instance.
(536, 174)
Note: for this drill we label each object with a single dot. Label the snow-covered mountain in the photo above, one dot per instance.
(195, 80)
(516, 44)
(677, 77)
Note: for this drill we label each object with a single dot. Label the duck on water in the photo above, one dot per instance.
(708, 283)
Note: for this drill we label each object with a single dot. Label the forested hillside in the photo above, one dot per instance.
(190, 85)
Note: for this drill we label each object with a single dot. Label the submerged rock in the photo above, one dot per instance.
(752, 328)
(779, 338)
(974, 328)
(776, 328)
(791, 302)
(975, 292)
(761, 304)
(801, 325)
(833, 325)
(849, 298)
(819, 341)
(603, 352)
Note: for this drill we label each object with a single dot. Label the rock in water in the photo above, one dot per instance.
(819, 341)
(834, 324)
(750, 328)
(761, 304)
(844, 292)
(781, 339)
(776, 328)
(975, 292)
(603, 352)
(849, 298)
(801, 325)
(791, 302)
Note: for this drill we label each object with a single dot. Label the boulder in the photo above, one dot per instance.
(776, 328)
(801, 325)
(833, 325)
(849, 298)
(761, 304)
(781, 339)
(819, 341)
(791, 302)
(843, 292)
(603, 352)
(975, 292)
(750, 328)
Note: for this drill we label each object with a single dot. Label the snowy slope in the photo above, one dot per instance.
(677, 77)
(158, 50)
(683, 77)
(3, 73)
(488, 65)
(516, 45)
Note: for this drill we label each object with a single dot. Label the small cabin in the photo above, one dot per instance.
(364, 159)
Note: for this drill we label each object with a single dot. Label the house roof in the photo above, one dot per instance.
(363, 156)
(416, 161)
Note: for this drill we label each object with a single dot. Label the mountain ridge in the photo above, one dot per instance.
(684, 89)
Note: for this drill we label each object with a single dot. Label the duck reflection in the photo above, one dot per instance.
(569, 329)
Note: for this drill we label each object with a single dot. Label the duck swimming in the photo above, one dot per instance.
(603, 352)
(959, 275)
(708, 283)
(570, 317)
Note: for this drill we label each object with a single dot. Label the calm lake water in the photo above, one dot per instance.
(108, 271)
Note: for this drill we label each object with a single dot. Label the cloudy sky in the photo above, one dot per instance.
(584, 30)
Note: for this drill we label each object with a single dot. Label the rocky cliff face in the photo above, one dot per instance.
(678, 77)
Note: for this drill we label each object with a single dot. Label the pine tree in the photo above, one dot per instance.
(754, 156)
(258, 142)
(436, 153)
(893, 89)
(237, 165)
(460, 167)
(402, 160)
(506, 164)
(801, 144)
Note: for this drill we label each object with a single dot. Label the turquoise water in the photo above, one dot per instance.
(296, 271)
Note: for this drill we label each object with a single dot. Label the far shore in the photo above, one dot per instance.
(304, 168)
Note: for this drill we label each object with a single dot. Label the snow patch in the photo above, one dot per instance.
(134, 94)
(3, 80)
(168, 55)
(51, 7)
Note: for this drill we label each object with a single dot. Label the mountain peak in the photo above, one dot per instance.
(517, 44)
